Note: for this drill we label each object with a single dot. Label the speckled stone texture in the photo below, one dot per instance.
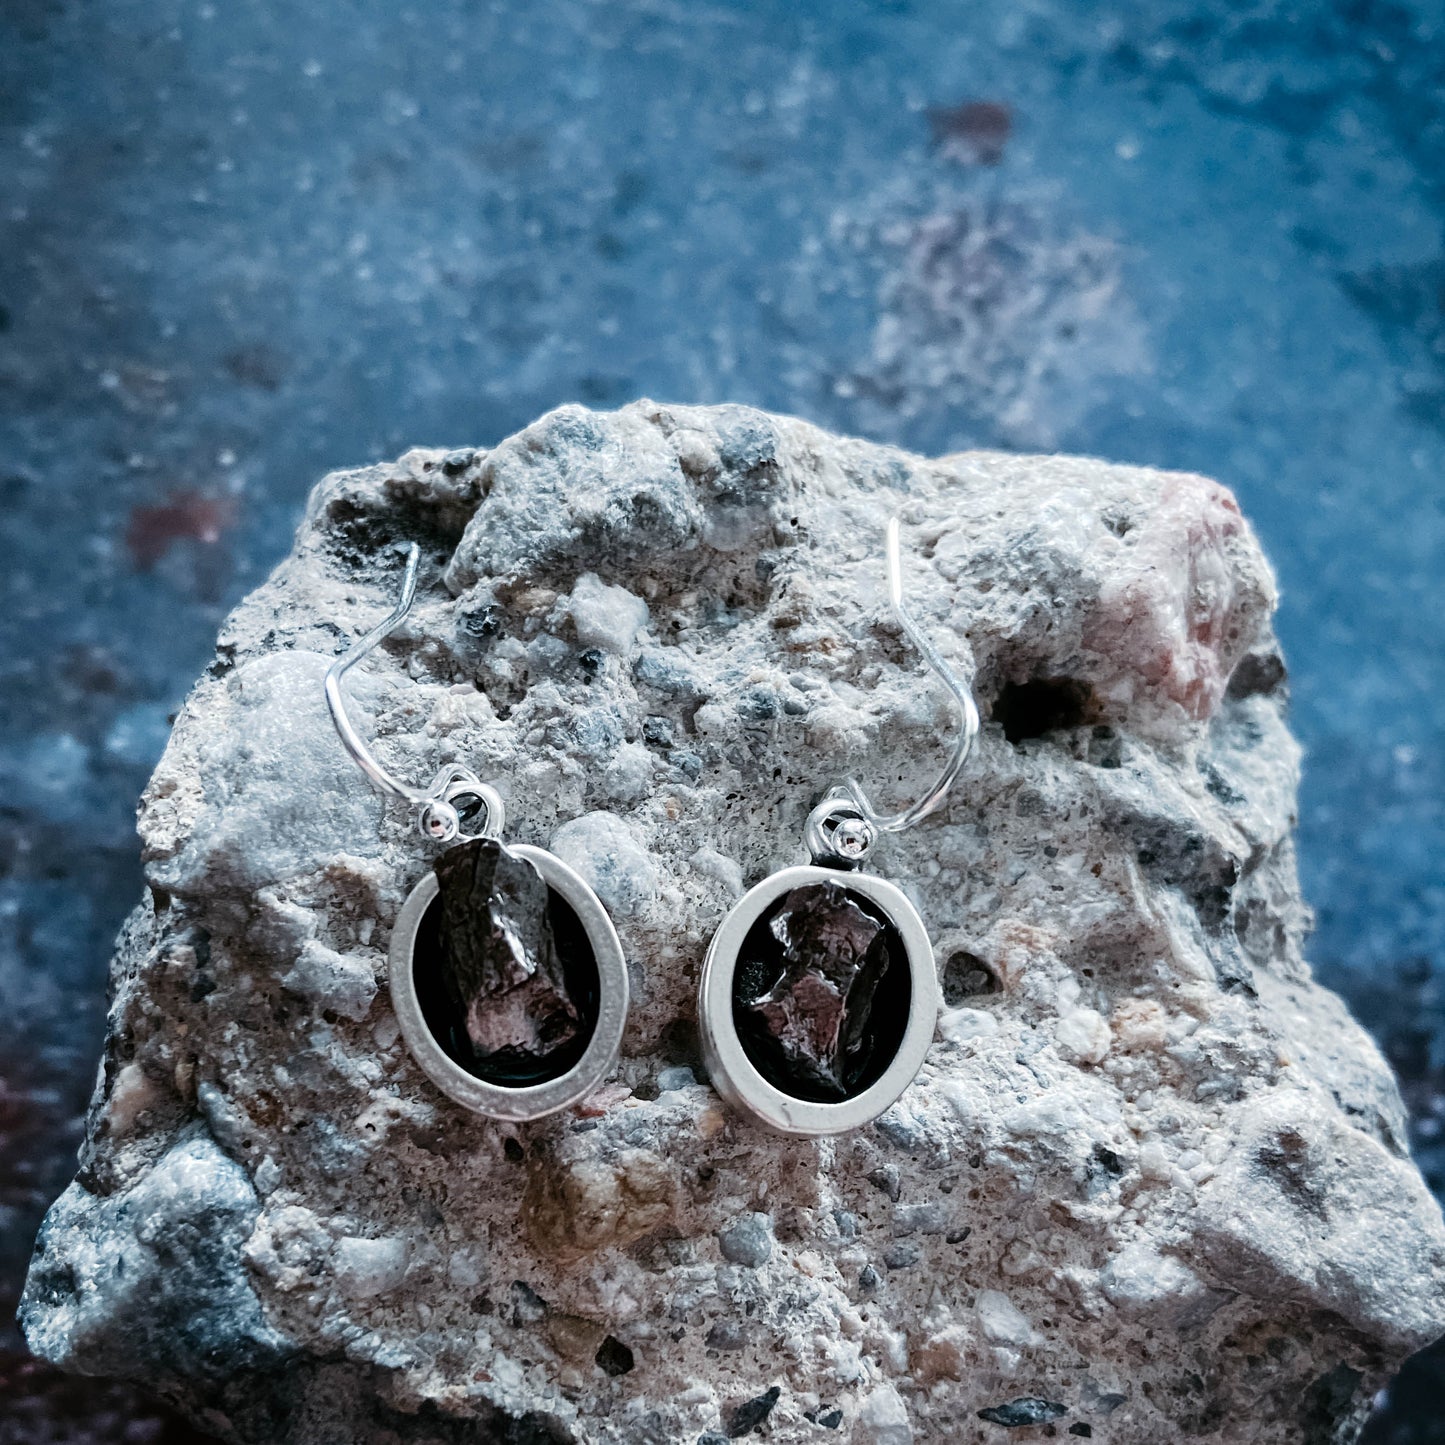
(1152, 1183)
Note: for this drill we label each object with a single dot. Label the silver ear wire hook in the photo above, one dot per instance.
(438, 817)
(962, 694)
(360, 754)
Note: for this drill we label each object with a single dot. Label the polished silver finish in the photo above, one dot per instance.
(440, 807)
(962, 693)
(731, 1070)
(837, 832)
(351, 740)
(532, 1101)
(438, 817)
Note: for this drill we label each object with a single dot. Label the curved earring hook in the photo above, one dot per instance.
(439, 818)
(962, 695)
(360, 754)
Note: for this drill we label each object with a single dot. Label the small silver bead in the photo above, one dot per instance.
(439, 821)
(852, 838)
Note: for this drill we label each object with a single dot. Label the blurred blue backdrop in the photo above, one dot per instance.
(243, 243)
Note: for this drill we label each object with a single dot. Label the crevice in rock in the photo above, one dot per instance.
(1043, 705)
(360, 532)
(966, 976)
(1328, 1410)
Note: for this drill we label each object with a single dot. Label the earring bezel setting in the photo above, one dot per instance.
(732, 1071)
(530, 1101)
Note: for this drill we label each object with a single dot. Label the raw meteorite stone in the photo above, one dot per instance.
(805, 987)
(1151, 1173)
(499, 965)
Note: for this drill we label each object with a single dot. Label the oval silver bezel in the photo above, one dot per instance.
(732, 1072)
(531, 1101)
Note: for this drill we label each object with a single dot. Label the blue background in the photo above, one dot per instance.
(243, 243)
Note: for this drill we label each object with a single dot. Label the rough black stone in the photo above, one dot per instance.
(613, 1357)
(1027, 1410)
(885, 1178)
(902, 1256)
(500, 965)
(748, 1416)
(806, 997)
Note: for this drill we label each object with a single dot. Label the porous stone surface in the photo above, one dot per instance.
(1151, 1184)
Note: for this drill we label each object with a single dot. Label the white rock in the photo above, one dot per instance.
(278, 802)
(959, 1025)
(132, 1094)
(1141, 1281)
(274, 1193)
(629, 773)
(1084, 1035)
(1309, 1208)
(466, 1269)
(883, 1419)
(604, 850)
(1001, 1320)
(1154, 1163)
(712, 864)
(606, 617)
(365, 1268)
(332, 981)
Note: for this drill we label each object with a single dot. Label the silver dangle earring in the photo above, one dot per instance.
(819, 997)
(506, 973)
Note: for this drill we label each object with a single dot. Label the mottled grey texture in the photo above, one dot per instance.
(1151, 1175)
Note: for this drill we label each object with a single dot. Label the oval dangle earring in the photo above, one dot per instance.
(506, 973)
(819, 996)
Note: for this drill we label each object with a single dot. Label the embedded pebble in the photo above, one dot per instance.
(368, 1267)
(604, 850)
(1027, 1410)
(751, 1413)
(748, 1242)
(959, 1025)
(1084, 1034)
(714, 865)
(920, 1218)
(883, 1419)
(1001, 1320)
(606, 617)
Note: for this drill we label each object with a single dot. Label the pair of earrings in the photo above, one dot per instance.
(818, 998)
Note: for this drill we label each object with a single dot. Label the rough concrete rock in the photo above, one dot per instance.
(1152, 1180)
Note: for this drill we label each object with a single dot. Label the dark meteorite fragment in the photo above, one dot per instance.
(500, 966)
(807, 991)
